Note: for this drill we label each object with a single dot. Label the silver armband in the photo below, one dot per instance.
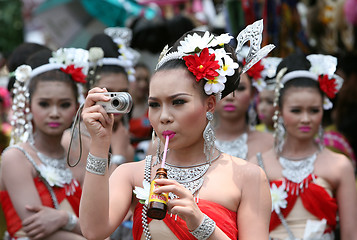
(205, 229)
(117, 159)
(72, 222)
(96, 165)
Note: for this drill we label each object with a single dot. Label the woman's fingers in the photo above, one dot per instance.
(95, 95)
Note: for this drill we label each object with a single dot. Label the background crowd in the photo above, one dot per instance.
(297, 28)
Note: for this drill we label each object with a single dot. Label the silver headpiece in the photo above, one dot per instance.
(207, 59)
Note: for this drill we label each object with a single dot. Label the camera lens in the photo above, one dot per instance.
(115, 102)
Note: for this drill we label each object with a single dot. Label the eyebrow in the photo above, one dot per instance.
(172, 96)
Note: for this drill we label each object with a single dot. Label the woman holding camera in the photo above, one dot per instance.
(230, 192)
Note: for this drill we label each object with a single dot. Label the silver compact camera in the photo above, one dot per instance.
(120, 102)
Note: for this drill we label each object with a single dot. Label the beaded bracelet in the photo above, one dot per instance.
(71, 223)
(96, 165)
(205, 229)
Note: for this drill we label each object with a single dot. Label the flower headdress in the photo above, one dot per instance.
(207, 59)
(127, 58)
(322, 69)
(73, 61)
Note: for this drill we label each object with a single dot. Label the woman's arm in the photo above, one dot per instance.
(99, 214)
(347, 199)
(17, 177)
(254, 210)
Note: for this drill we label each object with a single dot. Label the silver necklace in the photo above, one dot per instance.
(191, 177)
(58, 166)
(237, 148)
(297, 170)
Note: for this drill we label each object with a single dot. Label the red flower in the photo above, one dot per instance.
(255, 72)
(76, 73)
(203, 66)
(328, 86)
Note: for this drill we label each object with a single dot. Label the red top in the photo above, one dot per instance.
(13, 221)
(140, 128)
(225, 219)
(315, 199)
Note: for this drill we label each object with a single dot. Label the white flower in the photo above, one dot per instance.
(59, 57)
(228, 66)
(278, 197)
(143, 193)
(221, 39)
(23, 72)
(327, 103)
(95, 53)
(259, 84)
(51, 175)
(216, 85)
(195, 43)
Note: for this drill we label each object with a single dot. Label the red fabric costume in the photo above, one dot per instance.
(13, 221)
(225, 219)
(314, 198)
(140, 128)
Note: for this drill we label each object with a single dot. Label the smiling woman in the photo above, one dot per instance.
(36, 183)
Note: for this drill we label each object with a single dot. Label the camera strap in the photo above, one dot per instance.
(76, 122)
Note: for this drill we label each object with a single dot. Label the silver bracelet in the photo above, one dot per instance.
(96, 165)
(72, 222)
(117, 159)
(205, 229)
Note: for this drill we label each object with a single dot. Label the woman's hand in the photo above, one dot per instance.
(99, 124)
(44, 222)
(184, 206)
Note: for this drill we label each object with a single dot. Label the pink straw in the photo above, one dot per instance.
(165, 151)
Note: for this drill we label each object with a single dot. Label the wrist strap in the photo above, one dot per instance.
(205, 229)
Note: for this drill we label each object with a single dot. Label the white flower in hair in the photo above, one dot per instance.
(23, 72)
(216, 85)
(95, 53)
(143, 193)
(278, 197)
(228, 66)
(322, 64)
(221, 40)
(195, 43)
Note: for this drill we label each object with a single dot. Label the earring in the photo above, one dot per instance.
(279, 134)
(321, 137)
(158, 152)
(252, 117)
(209, 137)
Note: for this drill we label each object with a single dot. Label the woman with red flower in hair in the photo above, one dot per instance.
(211, 193)
(39, 194)
(310, 185)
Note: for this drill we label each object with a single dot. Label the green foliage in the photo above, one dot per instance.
(11, 30)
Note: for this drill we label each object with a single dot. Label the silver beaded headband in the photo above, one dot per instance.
(322, 69)
(72, 61)
(207, 59)
(128, 57)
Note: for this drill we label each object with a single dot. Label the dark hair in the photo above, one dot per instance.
(41, 58)
(110, 50)
(19, 56)
(296, 62)
(232, 81)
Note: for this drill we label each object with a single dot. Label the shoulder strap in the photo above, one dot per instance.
(48, 186)
(26, 155)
